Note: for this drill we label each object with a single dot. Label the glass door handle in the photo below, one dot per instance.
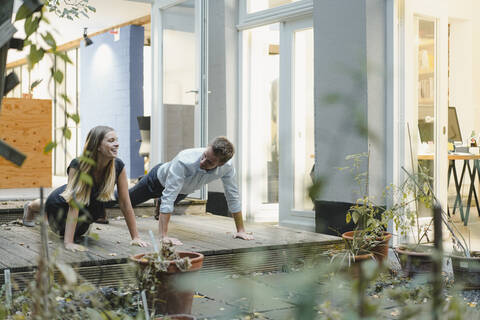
(192, 91)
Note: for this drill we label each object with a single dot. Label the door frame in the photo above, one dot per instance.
(292, 11)
(157, 119)
(252, 211)
(437, 11)
(288, 216)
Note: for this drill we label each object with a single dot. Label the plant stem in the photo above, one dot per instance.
(437, 262)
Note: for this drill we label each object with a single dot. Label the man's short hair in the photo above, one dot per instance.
(222, 148)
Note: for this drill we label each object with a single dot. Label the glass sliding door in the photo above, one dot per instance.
(261, 80)
(423, 96)
(296, 123)
(180, 88)
(183, 79)
(425, 49)
(303, 119)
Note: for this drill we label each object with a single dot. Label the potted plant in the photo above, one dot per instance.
(370, 219)
(161, 273)
(465, 263)
(351, 257)
(415, 253)
(466, 268)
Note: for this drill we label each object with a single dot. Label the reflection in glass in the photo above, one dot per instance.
(426, 92)
(179, 81)
(262, 71)
(304, 142)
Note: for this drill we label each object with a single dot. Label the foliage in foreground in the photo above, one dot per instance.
(315, 290)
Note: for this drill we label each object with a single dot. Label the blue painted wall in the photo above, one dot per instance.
(111, 90)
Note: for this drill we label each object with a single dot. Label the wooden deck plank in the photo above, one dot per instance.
(269, 234)
(16, 254)
(206, 233)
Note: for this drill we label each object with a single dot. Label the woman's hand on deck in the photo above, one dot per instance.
(243, 235)
(139, 242)
(75, 247)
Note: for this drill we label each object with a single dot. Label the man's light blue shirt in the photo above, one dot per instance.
(183, 175)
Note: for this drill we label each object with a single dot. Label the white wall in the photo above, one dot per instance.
(461, 77)
(475, 39)
(340, 61)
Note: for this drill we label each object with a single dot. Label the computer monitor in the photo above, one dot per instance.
(426, 130)
(454, 133)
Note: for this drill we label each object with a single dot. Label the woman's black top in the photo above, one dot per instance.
(57, 208)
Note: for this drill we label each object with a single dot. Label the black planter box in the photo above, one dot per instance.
(330, 217)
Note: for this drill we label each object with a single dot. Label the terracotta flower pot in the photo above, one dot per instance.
(356, 264)
(414, 263)
(380, 251)
(167, 298)
(467, 270)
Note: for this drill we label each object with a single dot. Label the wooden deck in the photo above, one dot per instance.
(208, 234)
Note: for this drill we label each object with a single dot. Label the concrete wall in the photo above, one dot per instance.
(111, 84)
(349, 93)
(222, 74)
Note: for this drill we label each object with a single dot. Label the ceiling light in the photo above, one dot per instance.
(88, 41)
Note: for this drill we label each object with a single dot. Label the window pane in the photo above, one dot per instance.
(179, 77)
(259, 5)
(304, 142)
(426, 92)
(261, 60)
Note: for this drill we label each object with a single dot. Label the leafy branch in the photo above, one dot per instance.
(69, 9)
(40, 44)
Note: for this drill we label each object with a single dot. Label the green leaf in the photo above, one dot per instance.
(332, 98)
(34, 56)
(75, 117)
(68, 273)
(23, 12)
(49, 147)
(355, 216)
(64, 57)
(58, 76)
(87, 160)
(67, 133)
(66, 99)
(91, 8)
(348, 218)
(35, 83)
(93, 314)
(86, 178)
(31, 25)
(94, 236)
(50, 40)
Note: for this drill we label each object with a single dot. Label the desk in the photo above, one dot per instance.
(472, 173)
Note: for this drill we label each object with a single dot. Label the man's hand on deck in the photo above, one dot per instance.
(243, 235)
(173, 241)
(75, 247)
(139, 242)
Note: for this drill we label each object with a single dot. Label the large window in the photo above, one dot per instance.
(260, 5)
(261, 56)
(303, 131)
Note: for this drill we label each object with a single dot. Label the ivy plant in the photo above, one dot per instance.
(69, 9)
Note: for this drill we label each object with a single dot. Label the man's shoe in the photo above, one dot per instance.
(102, 220)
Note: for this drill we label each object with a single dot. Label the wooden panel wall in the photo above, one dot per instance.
(26, 124)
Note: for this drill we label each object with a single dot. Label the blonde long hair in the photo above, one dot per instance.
(80, 187)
